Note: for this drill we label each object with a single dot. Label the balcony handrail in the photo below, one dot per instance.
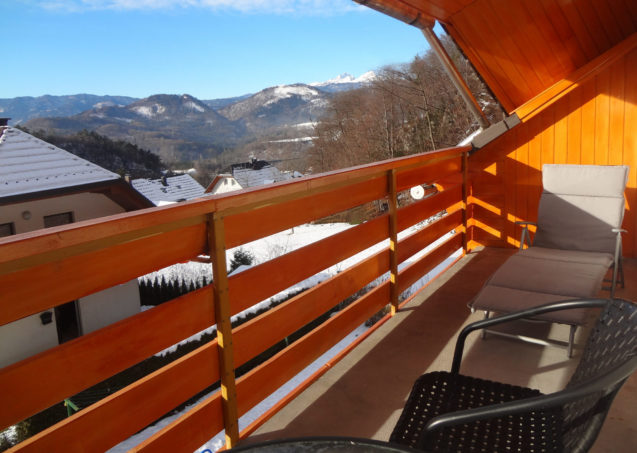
(104, 252)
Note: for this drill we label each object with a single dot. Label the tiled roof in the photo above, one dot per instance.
(169, 189)
(260, 172)
(29, 165)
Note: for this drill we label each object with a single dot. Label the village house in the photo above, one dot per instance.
(168, 189)
(260, 172)
(223, 183)
(43, 186)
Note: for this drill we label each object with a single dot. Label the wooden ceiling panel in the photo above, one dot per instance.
(440, 9)
(522, 47)
(544, 40)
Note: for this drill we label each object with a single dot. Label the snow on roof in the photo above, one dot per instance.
(29, 165)
(168, 189)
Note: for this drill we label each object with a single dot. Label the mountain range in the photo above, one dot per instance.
(182, 127)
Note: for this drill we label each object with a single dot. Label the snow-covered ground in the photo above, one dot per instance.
(264, 250)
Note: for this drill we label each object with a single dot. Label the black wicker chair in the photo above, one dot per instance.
(449, 412)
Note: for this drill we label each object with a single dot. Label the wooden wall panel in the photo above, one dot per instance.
(521, 47)
(596, 123)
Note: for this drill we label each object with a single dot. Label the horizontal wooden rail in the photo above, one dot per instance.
(44, 286)
(120, 415)
(94, 231)
(89, 359)
(36, 270)
(287, 318)
(417, 241)
(190, 432)
(272, 219)
(413, 272)
(448, 199)
(260, 282)
(429, 174)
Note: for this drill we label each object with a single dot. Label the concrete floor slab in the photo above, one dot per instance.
(364, 393)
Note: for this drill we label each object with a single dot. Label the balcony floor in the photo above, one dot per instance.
(363, 394)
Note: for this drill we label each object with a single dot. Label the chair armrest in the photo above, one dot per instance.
(528, 313)
(606, 383)
(524, 222)
(619, 230)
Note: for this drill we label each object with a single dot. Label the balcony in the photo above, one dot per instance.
(363, 394)
(43, 269)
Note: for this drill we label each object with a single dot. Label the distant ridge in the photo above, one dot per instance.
(182, 127)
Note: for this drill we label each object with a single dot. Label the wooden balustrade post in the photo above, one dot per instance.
(465, 205)
(393, 240)
(217, 250)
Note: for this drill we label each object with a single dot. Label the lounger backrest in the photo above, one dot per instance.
(579, 206)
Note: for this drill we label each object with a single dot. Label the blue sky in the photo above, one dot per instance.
(206, 48)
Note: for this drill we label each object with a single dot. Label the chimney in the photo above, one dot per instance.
(4, 121)
(164, 181)
(127, 178)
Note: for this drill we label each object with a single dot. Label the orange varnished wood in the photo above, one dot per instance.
(260, 282)
(574, 128)
(413, 272)
(77, 365)
(188, 432)
(258, 383)
(101, 253)
(287, 318)
(481, 66)
(561, 88)
(630, 152)
(97, 233)
(122, 414)
(271, 219)
(522, 48)
(67, 278)
(428, 174)
(423, 209)
(591, 124)
(417, 241)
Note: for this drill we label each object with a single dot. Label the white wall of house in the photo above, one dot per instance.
(106, 307)
(28, 336)
(83, 205)
(225, 185)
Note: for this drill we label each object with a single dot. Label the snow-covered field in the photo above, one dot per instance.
(264, 250)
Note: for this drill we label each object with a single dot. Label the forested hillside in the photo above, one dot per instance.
(407, 109)
(115, 155)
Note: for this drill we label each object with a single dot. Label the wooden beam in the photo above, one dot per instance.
(221, 301)
(393, 241)
(465, 206)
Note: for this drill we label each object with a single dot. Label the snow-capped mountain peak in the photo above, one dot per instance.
(368, 77)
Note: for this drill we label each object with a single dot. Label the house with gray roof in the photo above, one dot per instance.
(260, 172)
(43, 186)
(169, 189)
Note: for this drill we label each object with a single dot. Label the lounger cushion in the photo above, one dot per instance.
(585, 180)
(539, 275)
(499, 299)
(566, 222)
(579, 207)
(554, 276)
(570, 256)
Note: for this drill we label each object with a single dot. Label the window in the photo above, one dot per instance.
(58, 219)
(7, 229)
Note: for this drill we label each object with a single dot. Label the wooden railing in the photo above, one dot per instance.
(41, 270)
